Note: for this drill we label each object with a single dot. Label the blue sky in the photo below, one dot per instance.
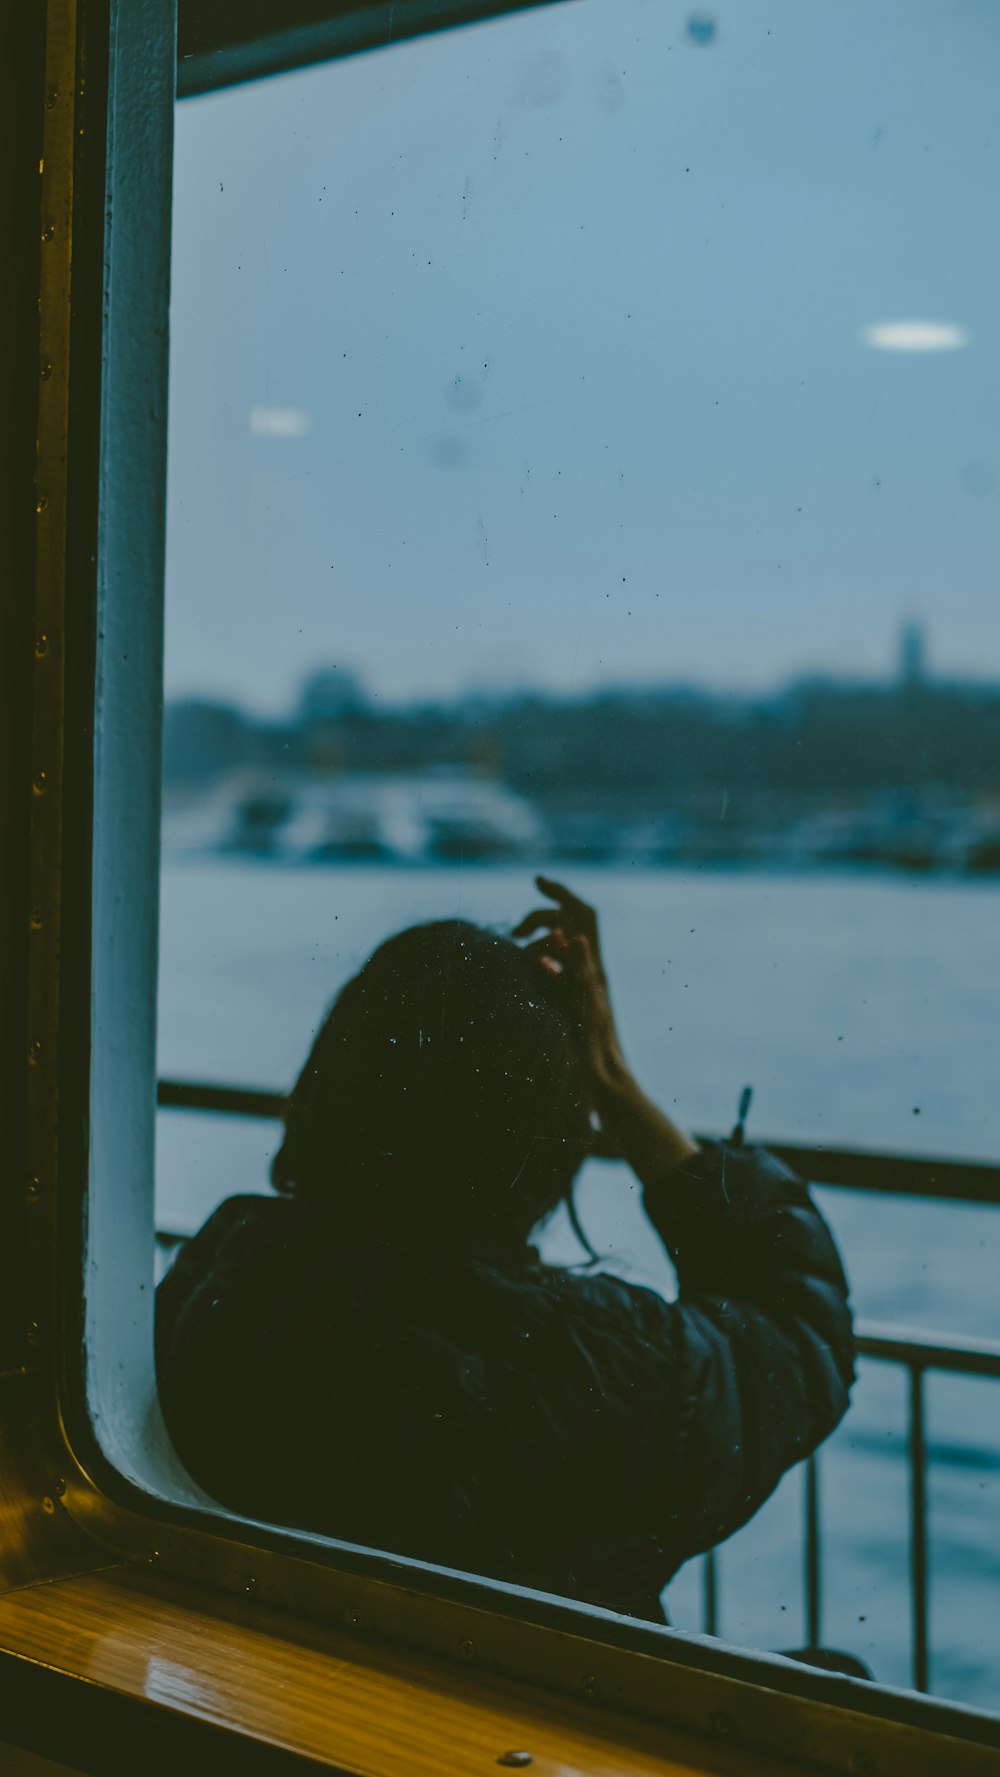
(540, 353)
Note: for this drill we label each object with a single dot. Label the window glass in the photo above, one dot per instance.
(583, 458)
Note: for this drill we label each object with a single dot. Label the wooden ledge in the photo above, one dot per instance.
(164, 1673)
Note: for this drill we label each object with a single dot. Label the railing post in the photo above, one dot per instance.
(710, 1594)
(919, 1577)
(812, 1553)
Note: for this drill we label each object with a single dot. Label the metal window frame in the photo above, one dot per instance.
(85, 1409)
(223, 42)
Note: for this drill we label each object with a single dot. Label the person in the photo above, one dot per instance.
(377, 1352)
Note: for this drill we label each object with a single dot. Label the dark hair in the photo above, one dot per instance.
(443, 1094)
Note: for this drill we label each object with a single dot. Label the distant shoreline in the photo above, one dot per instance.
(784, 868)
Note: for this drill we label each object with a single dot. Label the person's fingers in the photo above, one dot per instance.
(570, 903)
(538, 917)
(582, 955)
(553, 942)
(559, 892)
(589, 963)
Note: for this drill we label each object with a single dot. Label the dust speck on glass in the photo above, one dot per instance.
(584, 461)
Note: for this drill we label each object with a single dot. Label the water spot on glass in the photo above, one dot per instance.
(464, 393)
(609, 88)
(541, 79)
(448, 452)
(701, 29)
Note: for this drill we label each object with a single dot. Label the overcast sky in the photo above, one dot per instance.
(592, 345)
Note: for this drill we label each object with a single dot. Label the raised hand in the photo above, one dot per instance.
(570, 952)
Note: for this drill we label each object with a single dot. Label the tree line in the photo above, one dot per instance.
(676, 747)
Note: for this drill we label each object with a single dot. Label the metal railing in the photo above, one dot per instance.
(961, 1181)
(917, 1353)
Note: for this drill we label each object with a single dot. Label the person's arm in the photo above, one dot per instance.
(760, 1341)
(637, 1130)
(763, 1332)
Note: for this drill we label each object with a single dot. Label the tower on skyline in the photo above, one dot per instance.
(912, 654)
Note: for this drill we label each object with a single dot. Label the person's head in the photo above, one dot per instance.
(443, 1093)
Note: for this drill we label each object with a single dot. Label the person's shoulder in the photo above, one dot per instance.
(251, 1215)
(609, 1306)
(241, 1231)
(253, 1268)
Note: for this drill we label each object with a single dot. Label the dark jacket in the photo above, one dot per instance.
(554, 1428)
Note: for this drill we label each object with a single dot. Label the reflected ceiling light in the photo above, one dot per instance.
(279, 422)
(915, 336)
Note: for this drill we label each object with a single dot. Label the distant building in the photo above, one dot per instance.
(912, 656)
(330, 694)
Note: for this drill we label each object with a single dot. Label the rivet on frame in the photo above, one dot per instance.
(723, 1725)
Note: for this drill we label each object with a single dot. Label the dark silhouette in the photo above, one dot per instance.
(444, 1098)
(377, 1353)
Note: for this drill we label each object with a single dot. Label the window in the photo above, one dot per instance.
(618, 490)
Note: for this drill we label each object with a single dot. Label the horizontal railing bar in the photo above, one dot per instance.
(168, 1238)
(963, 1181)
(964, 1354)
(226, 1101)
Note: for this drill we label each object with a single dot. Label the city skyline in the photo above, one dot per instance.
(910, 661)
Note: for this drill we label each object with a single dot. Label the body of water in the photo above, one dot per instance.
(864, 1010)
